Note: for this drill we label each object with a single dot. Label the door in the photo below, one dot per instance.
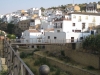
(92, 32)
(73, 46)
(72, 39)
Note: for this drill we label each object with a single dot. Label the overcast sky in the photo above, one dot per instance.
(8, 6)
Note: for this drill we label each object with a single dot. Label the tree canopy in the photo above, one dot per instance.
(11, 36)
(10, 28)
(42, 9)
(92, 43)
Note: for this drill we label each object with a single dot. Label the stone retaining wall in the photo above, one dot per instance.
(65, 67)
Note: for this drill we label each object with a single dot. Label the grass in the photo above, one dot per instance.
(3, 73)
(89, 68)
(34, 65)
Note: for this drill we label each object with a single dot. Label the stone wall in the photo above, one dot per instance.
(65, 67)
(79, 57)
(84, 58)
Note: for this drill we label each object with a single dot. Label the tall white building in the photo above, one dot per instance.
(77, 25)
(34, 11)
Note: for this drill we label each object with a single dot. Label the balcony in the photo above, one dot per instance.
(61, 19)
(57, 26)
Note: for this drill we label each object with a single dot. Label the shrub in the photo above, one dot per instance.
(57, 72)
(41, 61)
(11, 36)
(36, 50)
(62, 53)
(23, 55)
(3, 73)
(52, 69)
(37, 62)
(34, 70)
(90, 68)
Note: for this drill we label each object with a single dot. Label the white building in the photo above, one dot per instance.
(58, 12)
(55, 37)
(34, 11)
(35, 22)
(32, 36)
(1, 16)
(77, 25)
(45, 24)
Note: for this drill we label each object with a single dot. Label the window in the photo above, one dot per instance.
(74, 16)
(93, 19)
(55, 25)
(83, 25)
(37, 46)
(72, 30)
(48, 37)
(81, 38)
(61, 25)
(43, 47)
(55, 37)
(72, 39)
(32, 46)
(58, 30)
(86, 17)
(73, 24)
(77, 30)
(79, 18)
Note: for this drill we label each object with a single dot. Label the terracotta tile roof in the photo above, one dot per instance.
(33, 30)
(49, 29)
(85, 13)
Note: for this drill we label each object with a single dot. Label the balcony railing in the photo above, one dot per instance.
(45, 41)
(15, 64)
(57, 26)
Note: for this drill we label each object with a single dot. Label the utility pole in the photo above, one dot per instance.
(73, 2)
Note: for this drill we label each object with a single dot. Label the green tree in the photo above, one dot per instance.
(11, 36)
(92, 43)
(98, 2)
(63, 6)
(82, 7)
(10, 28)
(94, 2)
(42, 9)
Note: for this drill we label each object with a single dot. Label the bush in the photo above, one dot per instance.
(34, 70)
(3, 73)
(92, 43)
(62, 53)
(11, 36)
(37, 62)
(23, 55)
(41, 61)
(90, 68)
(36, 50)
(52, 69)
(57, 72)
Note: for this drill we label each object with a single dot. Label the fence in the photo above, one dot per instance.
(50, 41)
(15, 64)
